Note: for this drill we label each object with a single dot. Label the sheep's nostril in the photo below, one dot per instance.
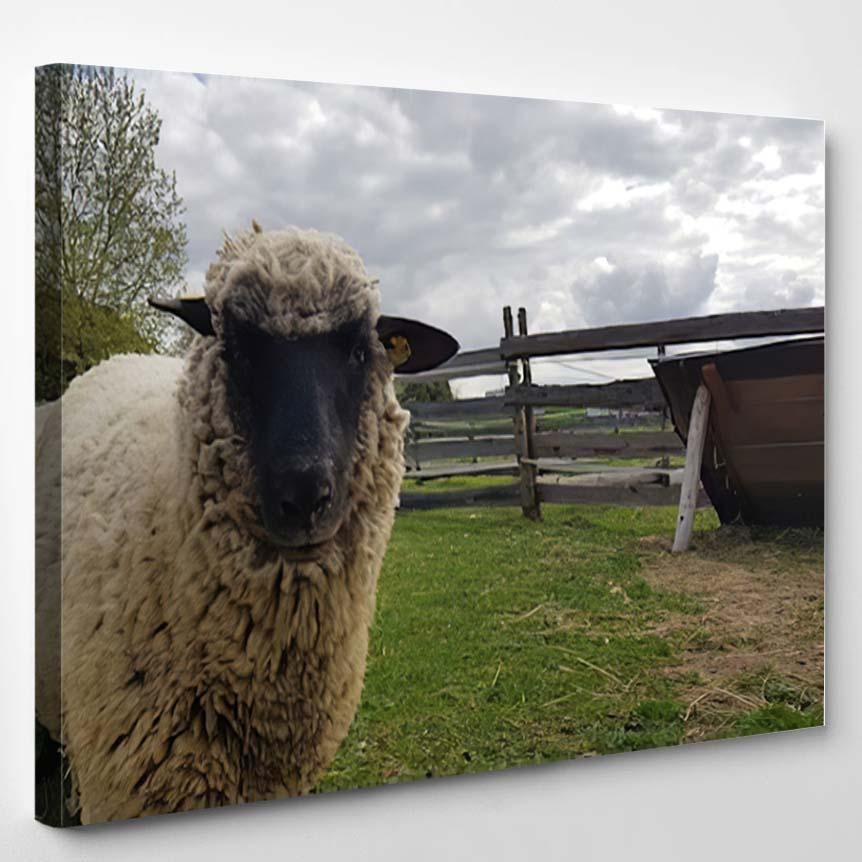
(289, 509)
(323, 502)
(305, 499)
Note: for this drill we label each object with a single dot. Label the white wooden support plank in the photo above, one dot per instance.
(691, 473)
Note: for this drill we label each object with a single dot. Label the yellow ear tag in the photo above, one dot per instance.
(398, 350)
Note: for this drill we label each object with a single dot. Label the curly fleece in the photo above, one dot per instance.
(200, 667)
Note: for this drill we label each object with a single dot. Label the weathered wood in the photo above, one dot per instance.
(749, 324)
(630, 495)
(548, 444)
(435, 449)
(691, 476)
(721, 396)
(799, 422)
(760, 396)
(526, 472)
(525, 432)
(610, 424)
(460, 425)
(583, 466)
(497, 495)
(776, 390)
(510, 495)
(645, 393)
(527, 374)
(617, 478)
(639, 444)
(779, 463)
(466, 408)
(546, 466)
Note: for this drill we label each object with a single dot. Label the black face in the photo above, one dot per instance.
(297, 403)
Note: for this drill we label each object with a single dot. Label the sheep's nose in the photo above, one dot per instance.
(306, 497)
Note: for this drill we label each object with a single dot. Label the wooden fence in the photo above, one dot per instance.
(517, 433)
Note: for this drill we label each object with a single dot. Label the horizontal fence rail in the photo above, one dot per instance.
(435, 449)
(550, 444)
(713, 327)
(543, 438)
(631, 495)
(644, 393)
(510, 495)
(637, 444)
(466, 408)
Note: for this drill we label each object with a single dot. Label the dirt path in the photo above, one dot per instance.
(760, 638)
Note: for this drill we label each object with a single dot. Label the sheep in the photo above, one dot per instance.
(224, 522)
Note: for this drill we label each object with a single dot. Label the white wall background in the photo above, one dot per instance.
(793, 796)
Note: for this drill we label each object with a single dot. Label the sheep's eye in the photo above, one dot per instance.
(359, 354)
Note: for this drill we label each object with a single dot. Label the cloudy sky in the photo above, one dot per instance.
(586, 214)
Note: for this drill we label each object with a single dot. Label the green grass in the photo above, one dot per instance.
(455, 483)
(552, 419)
(775, 717)
(500, 642)
(458, 483)
(464, 673)
(787, 705)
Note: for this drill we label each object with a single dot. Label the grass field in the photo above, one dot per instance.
(549, 419)
(459, 483)
(499, 642)
(552, 419)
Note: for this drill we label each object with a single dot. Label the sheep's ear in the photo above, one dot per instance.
(413, 346)
(191, 309)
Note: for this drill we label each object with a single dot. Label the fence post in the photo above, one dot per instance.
(532, 470)
(691, 476)
(523, 420)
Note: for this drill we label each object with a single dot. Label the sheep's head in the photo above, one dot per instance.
(296, 321)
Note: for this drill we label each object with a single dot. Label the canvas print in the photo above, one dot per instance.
(385, 435)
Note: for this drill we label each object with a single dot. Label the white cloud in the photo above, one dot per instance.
(715, 234)
(603, 264)
(636, 290)
(463, 204)
(532, 234)
(614, 192)
(769, 157)
(649, 115)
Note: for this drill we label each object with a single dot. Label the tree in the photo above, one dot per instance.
(438, 390)
(108, 223)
